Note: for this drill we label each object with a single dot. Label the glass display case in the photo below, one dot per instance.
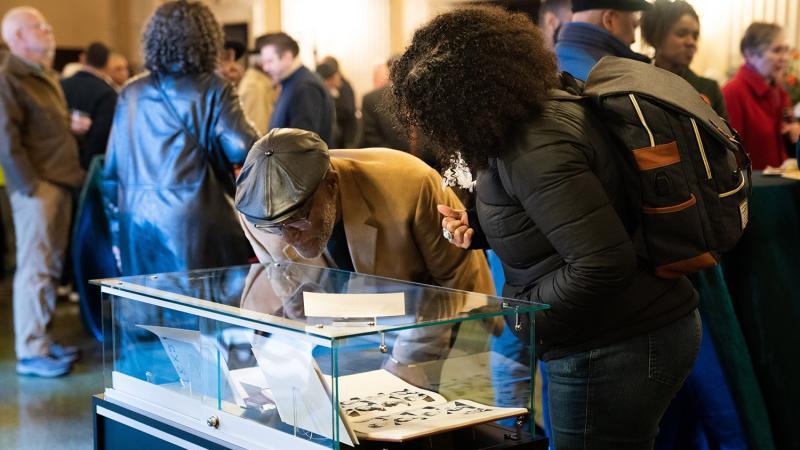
(281, 356)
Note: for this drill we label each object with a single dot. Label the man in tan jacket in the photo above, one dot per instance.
(371, 211)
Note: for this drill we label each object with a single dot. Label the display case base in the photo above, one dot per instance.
(120, 428)
(480, 437)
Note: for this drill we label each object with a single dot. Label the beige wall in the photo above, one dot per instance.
(120, 23)
(76, 22)
(722, 24)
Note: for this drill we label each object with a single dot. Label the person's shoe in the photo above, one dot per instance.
(63, 290)
(43, 366)
(68, 353)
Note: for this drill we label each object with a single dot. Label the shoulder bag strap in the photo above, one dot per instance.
(226, 178)
(174, 113)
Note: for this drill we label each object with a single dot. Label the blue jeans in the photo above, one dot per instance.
(703, 415)
(613, 397)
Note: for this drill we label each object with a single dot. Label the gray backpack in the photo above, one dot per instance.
(688, 174)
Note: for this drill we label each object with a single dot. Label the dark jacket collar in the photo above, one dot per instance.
(299, 73)
(18, 66)
(598, 40)
(92, 74)
(21, 68)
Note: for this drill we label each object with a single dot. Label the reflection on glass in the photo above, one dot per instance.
(237, 342)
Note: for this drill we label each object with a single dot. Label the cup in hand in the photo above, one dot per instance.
(80, 121)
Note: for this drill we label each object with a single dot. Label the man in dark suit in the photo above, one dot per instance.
(304, 102)
(344, 101)
(89, 92)
(379, 129)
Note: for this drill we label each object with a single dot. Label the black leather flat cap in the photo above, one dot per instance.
(281, 172)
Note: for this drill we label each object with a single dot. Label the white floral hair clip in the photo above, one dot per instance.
(458, 174)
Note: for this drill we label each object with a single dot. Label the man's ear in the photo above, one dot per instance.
(332, 179)
(609, 19)
(551, 21)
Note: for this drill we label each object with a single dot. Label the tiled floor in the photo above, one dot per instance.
(48, 414)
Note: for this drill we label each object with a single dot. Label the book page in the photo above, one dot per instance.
(184, 349)
(430, 419)
(378, 405)
(298, 390)
(378, 393)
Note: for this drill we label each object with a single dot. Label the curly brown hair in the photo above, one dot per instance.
(182, 38)
(468, 77)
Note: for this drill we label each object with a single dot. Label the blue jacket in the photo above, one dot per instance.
(580, 45)
(304, 103)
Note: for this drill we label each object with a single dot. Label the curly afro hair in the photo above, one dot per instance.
(182, 38)
(468, 77)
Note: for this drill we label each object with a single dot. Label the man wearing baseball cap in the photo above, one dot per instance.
(599, 28)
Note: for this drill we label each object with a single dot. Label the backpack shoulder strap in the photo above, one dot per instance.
(614, 76)
(189, 134)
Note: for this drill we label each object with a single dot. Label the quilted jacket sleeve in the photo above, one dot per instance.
(448, 265)
(558, 190)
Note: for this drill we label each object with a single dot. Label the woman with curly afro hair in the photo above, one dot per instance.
(617, 342)
(178, 131)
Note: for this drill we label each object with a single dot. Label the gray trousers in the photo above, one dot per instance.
(41, 224)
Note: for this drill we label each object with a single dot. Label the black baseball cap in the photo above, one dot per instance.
(619, 5)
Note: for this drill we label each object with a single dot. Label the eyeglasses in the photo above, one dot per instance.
(298, 222)
(42, 26)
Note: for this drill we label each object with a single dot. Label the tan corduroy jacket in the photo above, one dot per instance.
(393, 229)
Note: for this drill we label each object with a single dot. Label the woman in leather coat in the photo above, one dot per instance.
(617, 342)
(178, 131)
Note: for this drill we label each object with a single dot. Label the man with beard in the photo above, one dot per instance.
(371, 212)
(368, 211)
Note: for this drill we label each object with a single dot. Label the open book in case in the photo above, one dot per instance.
(284, 356)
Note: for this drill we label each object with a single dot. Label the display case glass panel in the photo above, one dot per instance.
(282, 355)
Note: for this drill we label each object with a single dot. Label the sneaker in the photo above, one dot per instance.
(68, 353)
(43, 366)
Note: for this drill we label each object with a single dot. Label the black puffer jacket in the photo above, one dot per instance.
(554, 209)
(167, 188)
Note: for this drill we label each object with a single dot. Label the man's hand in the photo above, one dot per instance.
(80, 122)
(456, 223)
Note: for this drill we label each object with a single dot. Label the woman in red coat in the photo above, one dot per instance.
(758, 107)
